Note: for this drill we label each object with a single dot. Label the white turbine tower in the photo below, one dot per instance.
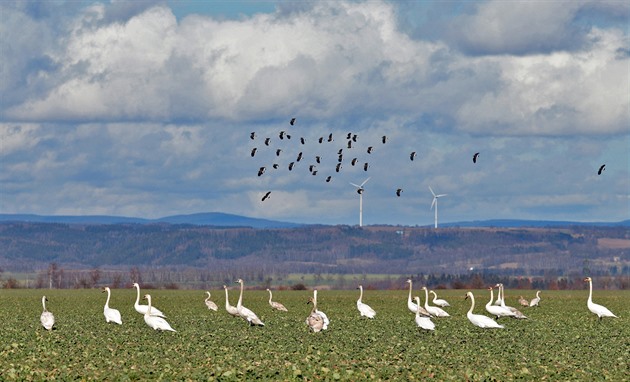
(360, 190)
(435, 203)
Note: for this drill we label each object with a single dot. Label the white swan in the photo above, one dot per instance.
(276, 305)
(433, 310)
(499, 300)
(517, 313)
(111, 315)
(230, 308)
(497, 311)
(478, 319)
(322, 314)
(47, 319)
(245, 313)
(422, 321)
(210, 304)
(142, 309)
(438, 301)
(536, 300)
(412, 306)
(155, 322)
(599, 310)
(314, 320)
(364, 309)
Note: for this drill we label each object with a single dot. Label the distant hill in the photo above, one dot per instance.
(201, 219)
(219, 219)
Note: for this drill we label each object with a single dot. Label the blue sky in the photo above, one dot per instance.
(145, 109)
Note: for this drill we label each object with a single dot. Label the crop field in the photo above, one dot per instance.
(561, 340)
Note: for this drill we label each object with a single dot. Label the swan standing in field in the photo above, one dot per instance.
(479, 319)
(497, 311)
(322, 314)
(413, 307)
(536, 300)
(433, 310)
(210, 304)
(245, 313)
(364, 309)
(142, 309)
(230, 308)
(499, 300)
(111, 315)
(47, 319)
(438, 301)
(155, 322)
(599, 310)
(517, 313)
(276, 305)
(422, 321)
(314, 320)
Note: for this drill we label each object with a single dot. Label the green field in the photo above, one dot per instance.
(561, 340)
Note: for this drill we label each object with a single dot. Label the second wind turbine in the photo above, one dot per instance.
(360, 190)
(435, 203)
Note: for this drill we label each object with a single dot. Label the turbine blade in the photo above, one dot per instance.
(356, 185)
(433, 202)
(439, 196)
(430, 189)
(365, 181)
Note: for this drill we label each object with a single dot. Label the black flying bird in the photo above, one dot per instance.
(266, 196)
(475, 157)
(253, 152)
(601, 168)
(292, 121)
(398, 191)
(412, 155)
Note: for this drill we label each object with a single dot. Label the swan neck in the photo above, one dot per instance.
(240, 297)
(491, 298)
(227, 303)
(426, 298)
(108, 295)
(410, 287)
(472, 303)
(590, 291)
(270, 295)
(44, 303)
(361, 294)
(137, 294)
(149, 303)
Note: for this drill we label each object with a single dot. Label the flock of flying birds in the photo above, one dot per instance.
(350, 153)
(318, 320)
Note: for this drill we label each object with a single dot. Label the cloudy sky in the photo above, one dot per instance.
(145, 109)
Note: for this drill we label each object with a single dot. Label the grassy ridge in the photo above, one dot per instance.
(562, 340)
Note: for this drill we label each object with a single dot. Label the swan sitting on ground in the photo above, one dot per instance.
(599, 310)
(438, 301)
(142, 309)
(245, 313)
(412, 306)
(314, 321)
(47, 318)
(322, 314)
(111, 315)
(155, 322)
(276, 305)
(497, 311)
(210, 304)
(479, 319)
(536, 300)
(364, 309)
(422, 321)
(434, 310)
(230, 308)
(522, 301)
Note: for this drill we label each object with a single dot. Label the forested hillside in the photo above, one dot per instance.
(28, 247)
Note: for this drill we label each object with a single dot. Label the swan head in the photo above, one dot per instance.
(44, 298)
(468, 294)
(408, 281)
(360, 287)
(490, 288)
(588, 279)
(104, 289)
(240, 281)
(310, 300)
(146, 297)
(135, 285)
(424, 288)
(417, 300)
(224, 286)
(268, 290)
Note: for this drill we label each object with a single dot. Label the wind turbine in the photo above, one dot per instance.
(435, 203)
(360, 190)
